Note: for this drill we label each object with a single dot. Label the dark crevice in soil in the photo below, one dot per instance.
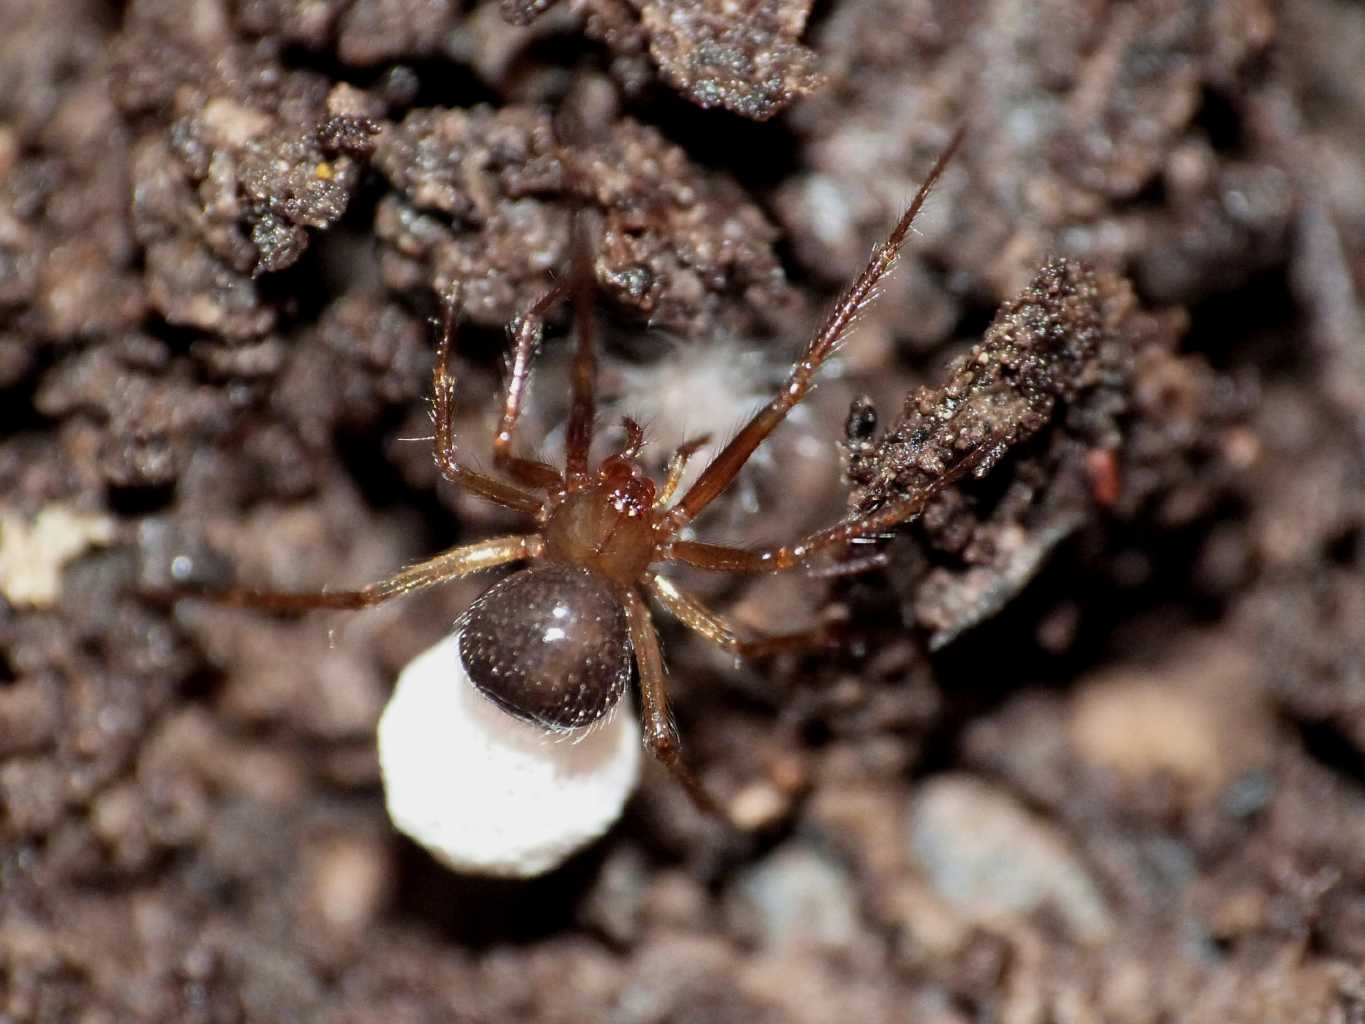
(713, 137)
(482, 913)
(136, 501)
(1254, 325)
(1326, 744)
(1221, 122)
(7, 673)
(18, 410)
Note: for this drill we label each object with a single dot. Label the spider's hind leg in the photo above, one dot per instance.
(661, 735)
(692, 613)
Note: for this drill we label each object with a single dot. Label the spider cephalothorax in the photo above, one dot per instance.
(553, 643)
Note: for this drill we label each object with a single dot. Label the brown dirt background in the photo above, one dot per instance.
(1095, 747)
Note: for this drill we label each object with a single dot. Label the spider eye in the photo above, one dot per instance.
(548, 644)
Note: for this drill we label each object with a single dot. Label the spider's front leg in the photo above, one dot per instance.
(527, 331)
(723, 558)
(827, 340)
(447, 455)
(578, 434)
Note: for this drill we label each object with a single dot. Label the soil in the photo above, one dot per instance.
(1094, 745)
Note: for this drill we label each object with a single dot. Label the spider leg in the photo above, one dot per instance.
(849, 566)
(826, 341)
(677, 465)
(526, 332)
(578, 439)
(692, 613)
(448, 565)
(661, 735)
(723, 558)
(447, 456)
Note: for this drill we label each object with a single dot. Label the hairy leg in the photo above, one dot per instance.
(578, 437)
(447, 455)
(527, 331)
(723, 558)
(695, 615)
(661, 736)
(827, 340)
(448, 565)
(849, 567)
(576, 131)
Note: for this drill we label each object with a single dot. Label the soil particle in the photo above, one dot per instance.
(363, 358)
(1062, 355)
(752, 65)
(1197, 723)
(677, 979)
(29, 713)
(33, 553)
(748, 62)
(1310, 633)
(1042, 347)
(152, 416)
(235, 190)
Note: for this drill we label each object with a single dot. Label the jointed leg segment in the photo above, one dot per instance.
(448, 565)
(661, 735)
(692, 613)
(578, 436)
(790, 556)
(723, 468)
(447, 455)
(527, 331)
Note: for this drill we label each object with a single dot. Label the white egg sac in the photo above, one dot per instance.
(489, 794)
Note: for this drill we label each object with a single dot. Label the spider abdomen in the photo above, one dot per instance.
(549, 644)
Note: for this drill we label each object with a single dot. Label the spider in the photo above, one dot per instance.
(553, 643)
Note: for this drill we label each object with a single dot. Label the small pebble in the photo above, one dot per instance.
(801, 899)
(992, 860)
(1197, 721)
(33, 552)
(348, 881)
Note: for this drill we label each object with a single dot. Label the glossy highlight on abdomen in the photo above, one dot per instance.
(549, 644)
